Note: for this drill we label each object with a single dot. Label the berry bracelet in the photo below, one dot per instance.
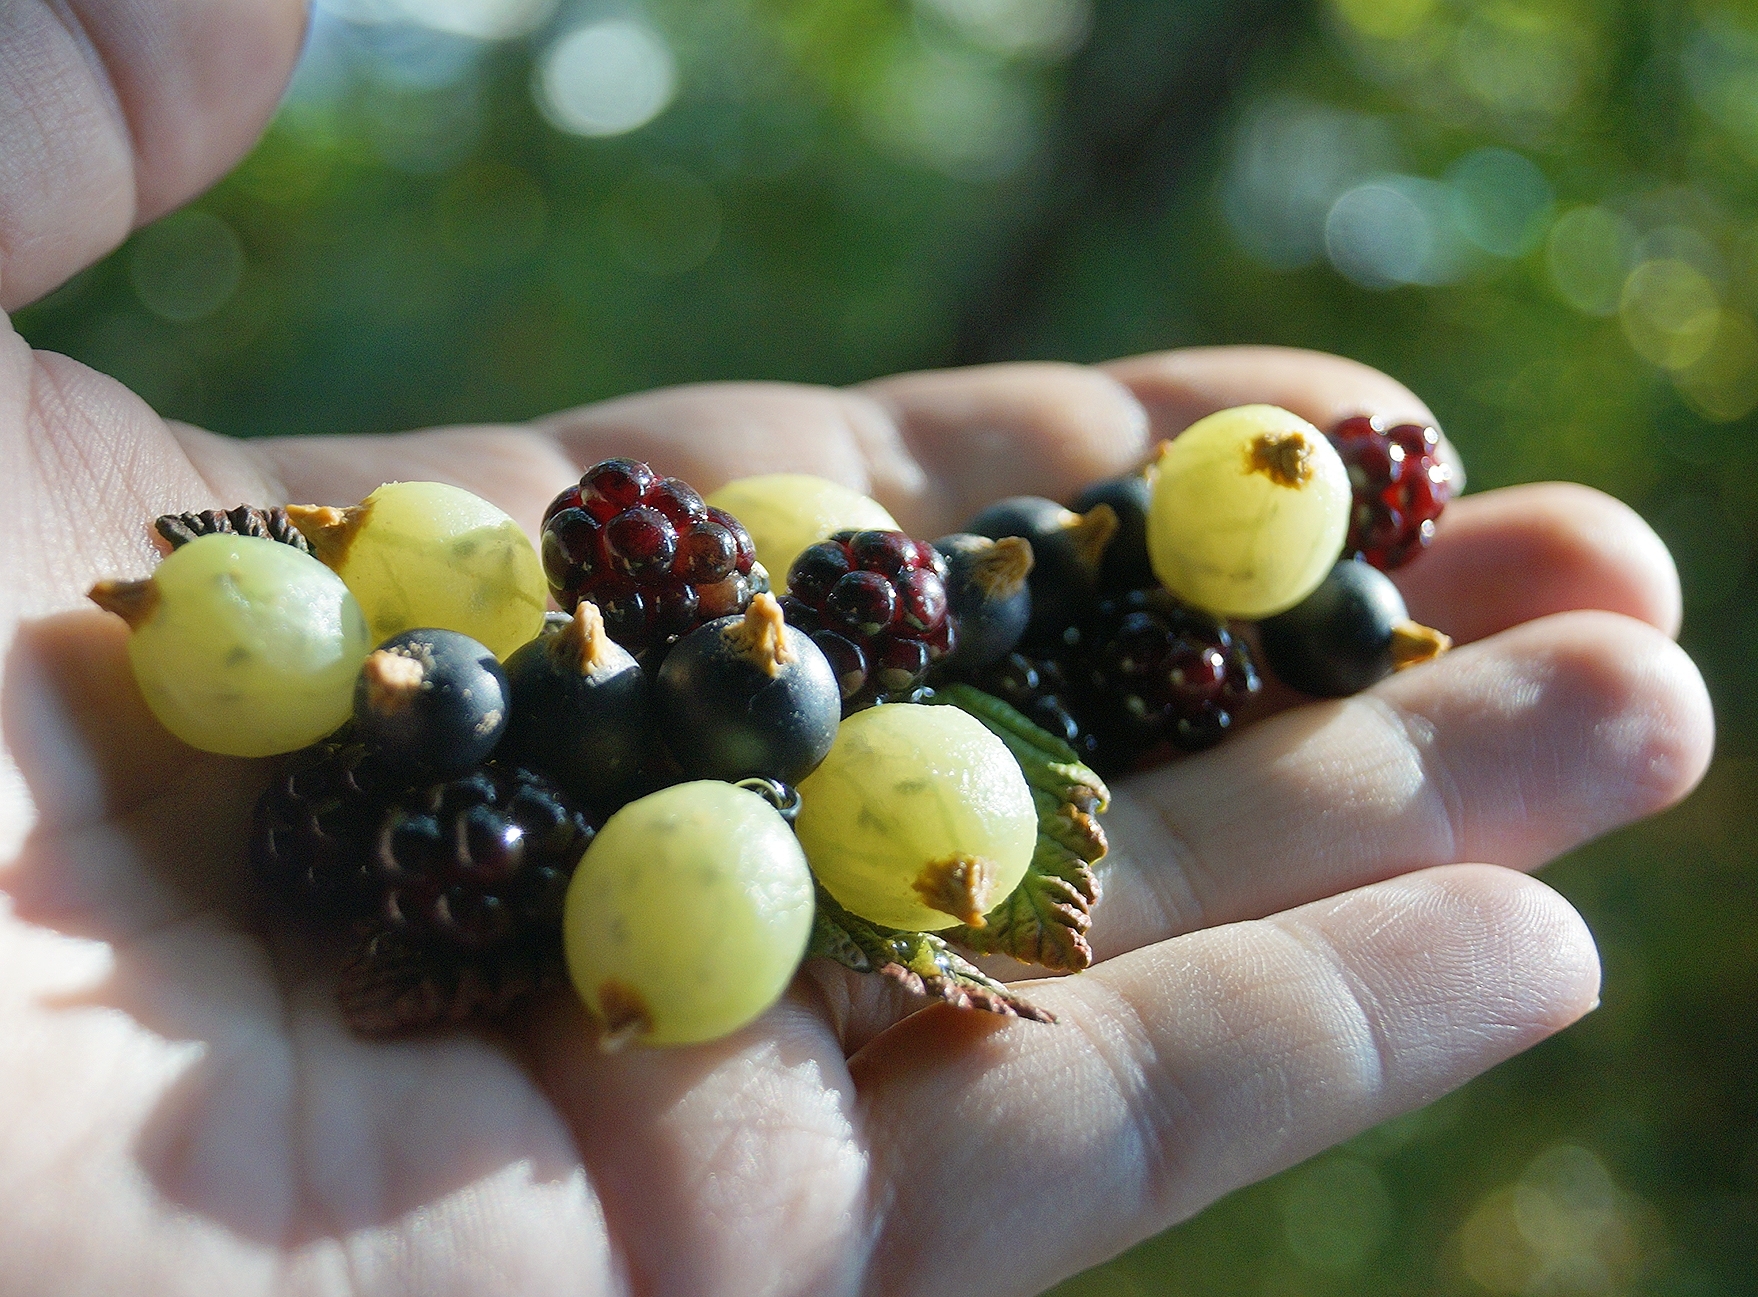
(688, 780)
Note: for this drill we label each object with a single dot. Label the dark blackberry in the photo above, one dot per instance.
(582, 710)
(1400, 483)
(272, 523)
(988, 596)
(313, 829)
(1350, 633)
(649, 552)
(1124, 565)
(432, 702)
(1039, 688)
(748, 698)
(478, 863)
(1067, 550)
(875, 604)
(1160, 671)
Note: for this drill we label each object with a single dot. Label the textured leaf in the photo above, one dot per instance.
(921, 962)
(1046, 918)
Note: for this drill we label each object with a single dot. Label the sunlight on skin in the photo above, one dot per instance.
(186, 1113)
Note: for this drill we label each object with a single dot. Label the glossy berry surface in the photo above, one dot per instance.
(582, 710)
(432, 702)
(478, 862)
(1399, 484)
(688, 915)
(646, 549)
(989, 596)
(875, 604)
(1350, 633)
(1124, 565)
(748, 697)
(1141, 670)
(313, 828)
(1067, 551)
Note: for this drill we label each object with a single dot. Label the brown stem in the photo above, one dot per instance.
(583, 644)
(1413, 643)
(761, 638)
(1000, 571)
(1283, 457)
(329, 530)
(1090, 532)
(133, 601)
(960, 885)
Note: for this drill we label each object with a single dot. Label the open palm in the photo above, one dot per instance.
(1292, 945)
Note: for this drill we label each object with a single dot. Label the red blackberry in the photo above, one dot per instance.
(1401, 485)
(875, 603)
(646, 549)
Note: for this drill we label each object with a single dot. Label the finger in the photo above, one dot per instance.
(724, 1169)
(1024, 1153)
(115, 113)
(1512, 750)
(931, 447)
(1524, 552)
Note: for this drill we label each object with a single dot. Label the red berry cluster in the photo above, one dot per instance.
(1401, 485)
(875, 603)
(646, 549)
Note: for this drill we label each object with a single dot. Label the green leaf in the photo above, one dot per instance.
(1046, 918)
(920, 962)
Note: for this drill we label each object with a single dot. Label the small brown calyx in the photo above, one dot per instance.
(625, 1015)
(584, 645)
(330, 531)
(1283, 457)
(1000, 571)
(392, 680)
(1089, 533)
(960, 885)
(1413, 643)
(133, 601)
(761, 638)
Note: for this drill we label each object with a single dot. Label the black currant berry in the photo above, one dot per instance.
(1124, 565)
(582, 710)
(1350, 633)
(748, 697)
(1067, 549)
(988, 596)
(432, 702)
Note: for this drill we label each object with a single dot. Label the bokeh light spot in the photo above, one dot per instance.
(1588, 254)
(959, 116)
(608, 78)
(1045, 29)
(1563, 1227)
(1394, 230)
(483, 20)
(663, 222)
(186, 266)
(1335, 1215)
(1502, 202)
(1518, 60)
(1722, 384)
(1386, 20)
(1290, 161)
(1669, 312)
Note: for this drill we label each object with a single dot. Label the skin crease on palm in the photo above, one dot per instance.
(1295, 940)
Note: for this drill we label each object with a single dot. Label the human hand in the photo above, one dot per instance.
(1292, 947)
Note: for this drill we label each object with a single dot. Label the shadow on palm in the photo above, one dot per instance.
(282, 1126)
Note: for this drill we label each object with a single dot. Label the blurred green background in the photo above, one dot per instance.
(1542, 215)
